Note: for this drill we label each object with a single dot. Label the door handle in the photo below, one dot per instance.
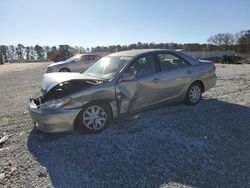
(189, 71)
(155, 80)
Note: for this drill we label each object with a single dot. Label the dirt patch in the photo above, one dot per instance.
(12, 67)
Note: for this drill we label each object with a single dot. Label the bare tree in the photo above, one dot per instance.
(238, 35)
(228, 39)
(223, 40)
(244, 42)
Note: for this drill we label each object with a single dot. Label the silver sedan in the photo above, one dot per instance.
(119, 84)
(77, 63)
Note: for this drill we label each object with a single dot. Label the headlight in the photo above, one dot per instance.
(54, 104)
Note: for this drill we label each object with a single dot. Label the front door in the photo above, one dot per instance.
(138, 86)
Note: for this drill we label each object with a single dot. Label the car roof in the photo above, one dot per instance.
(138, 52)
(133, 53)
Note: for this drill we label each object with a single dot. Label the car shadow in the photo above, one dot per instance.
(206, 145)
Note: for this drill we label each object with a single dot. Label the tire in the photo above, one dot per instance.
(64, 70)
(87, 124)
(194, 94)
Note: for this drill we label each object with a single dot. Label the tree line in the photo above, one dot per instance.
(239, 42)
(21, 52)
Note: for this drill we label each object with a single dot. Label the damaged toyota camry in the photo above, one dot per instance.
(118, 84)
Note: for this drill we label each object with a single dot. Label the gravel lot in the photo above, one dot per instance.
(207, 145)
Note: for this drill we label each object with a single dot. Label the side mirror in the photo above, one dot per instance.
(128, 75)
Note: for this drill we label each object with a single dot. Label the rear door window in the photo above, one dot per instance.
(170, 61)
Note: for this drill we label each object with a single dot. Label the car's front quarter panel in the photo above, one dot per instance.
(102, 92)
(51, 69)
(55, 67)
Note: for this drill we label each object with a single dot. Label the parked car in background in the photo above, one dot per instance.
(231, 59)
(118, 84)
(77, 63)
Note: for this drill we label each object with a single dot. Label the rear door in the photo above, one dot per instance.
(175, 74)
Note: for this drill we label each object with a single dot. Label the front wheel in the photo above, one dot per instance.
(93, 118)
(194, 94)
(64, 70)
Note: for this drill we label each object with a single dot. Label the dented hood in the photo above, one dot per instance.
(52, 79)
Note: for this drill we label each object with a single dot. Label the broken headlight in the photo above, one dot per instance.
(54, 104)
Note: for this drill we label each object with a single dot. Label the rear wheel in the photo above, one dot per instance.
(194, 94)
(93, 118)
(64, 70)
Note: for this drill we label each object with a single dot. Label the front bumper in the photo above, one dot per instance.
(51, 121)
(51, 69)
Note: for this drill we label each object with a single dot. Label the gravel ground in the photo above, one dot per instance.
(207, 145)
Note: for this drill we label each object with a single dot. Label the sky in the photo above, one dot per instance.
(91, 23)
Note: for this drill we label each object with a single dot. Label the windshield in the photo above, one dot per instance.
(107, 67)
(74, 58)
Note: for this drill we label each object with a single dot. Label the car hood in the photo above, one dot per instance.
(52, 79)
(57, 63)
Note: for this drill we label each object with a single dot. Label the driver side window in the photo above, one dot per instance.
(142, 67)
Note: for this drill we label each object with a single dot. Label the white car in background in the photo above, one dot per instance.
(77, 63)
